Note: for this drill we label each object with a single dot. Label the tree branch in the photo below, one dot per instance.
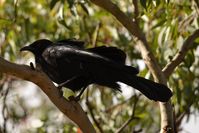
(167, 124)
(71, 109)
(178, 58)
(120, 130)
(119, 105)
(90, 108)
(134, 29)
(136, 10)
(115, 11)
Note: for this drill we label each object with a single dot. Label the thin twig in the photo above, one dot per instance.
(90, 108)
(110, 109)
(178, 58)
(182, 115)
(15, 11)
(132, 116)
(96, 34)
(197, 3)
(136, 10)
(124, 19)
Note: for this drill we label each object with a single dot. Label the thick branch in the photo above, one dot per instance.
(178, 58)
(71, 109)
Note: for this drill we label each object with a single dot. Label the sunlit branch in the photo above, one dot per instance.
(71, 109)
(178, 58)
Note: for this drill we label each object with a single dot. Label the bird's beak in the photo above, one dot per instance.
(26, 48)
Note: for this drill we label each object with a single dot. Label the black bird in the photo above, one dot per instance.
(69, 64)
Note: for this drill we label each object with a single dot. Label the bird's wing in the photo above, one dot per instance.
(71, 42)
(89, 67)
(73, 56)
(100, 70)
(111, 53)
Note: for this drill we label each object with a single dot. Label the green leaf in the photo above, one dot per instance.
(189, 59)
(5, 23)
(62, 22)
(143, 3)
(84, 8)
(178, 94)
(53, 3)
(160, 23)
(71, 3)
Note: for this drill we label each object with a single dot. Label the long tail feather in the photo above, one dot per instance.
(150, 89)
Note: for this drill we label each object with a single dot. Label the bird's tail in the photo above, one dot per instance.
(150, 89)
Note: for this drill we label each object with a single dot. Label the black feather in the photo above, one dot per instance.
(68, 62)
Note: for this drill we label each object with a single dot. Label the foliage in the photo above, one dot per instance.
(166, 25)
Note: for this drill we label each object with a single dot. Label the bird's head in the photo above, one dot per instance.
(37, 47)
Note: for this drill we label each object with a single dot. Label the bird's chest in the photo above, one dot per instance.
(60, 70)
(50, 70)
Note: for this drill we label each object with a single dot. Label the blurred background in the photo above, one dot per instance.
(166, 24)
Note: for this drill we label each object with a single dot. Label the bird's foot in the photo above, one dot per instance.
(72, 98)
(59, 87)
(78, 97)
(32, 66)
(60, 90)
(60, 93)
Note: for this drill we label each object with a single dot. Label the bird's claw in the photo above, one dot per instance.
(32, 66)
(59, 87)
(60, 93)
(77, 98)
(72, 98)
